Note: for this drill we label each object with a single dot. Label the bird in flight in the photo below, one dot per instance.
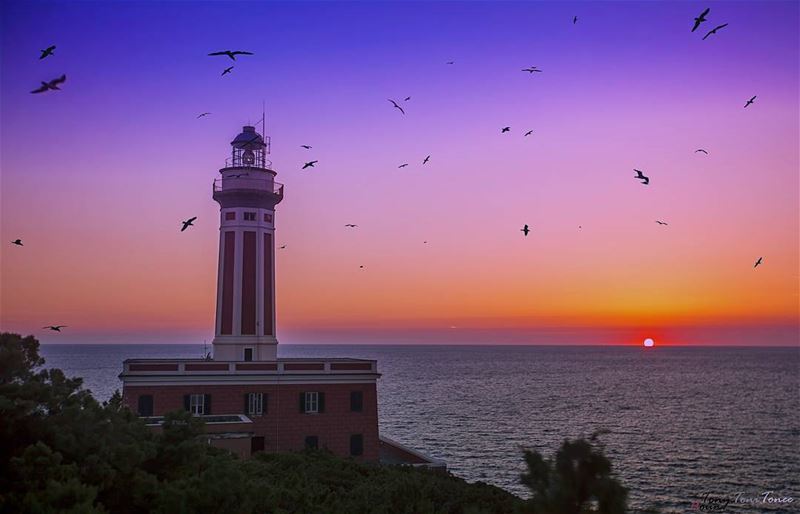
(403, 165)
(188, 223)
(505, 129)
(281, 247)
(307, 147)
(660, 222)
(701, 150)
(406, 99)
(351, 225)
(361, 267)
(309, 164)
(714, 30)
(47, 51)
(640, 176)
(52, 85)
(574, 20)
(750, 101)
(396, 106)
(450, 62)
(226, 71)
(532, 69)
(758, 262)
(700, 19)
(428, 158)
(55, 328)
(17, 242)
(202, 115)
(525, 230)
(528, 133)
(232, 54)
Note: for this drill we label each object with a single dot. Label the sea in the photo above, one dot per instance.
(685, 425)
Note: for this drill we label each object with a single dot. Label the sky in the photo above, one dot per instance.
(96, 178)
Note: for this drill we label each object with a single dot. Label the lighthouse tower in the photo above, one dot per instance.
(247, 195)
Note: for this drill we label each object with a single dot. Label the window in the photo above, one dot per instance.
(311, 402)
(256, 444)
(248, 354)
(356, 401)
(268, 218)
(249, 216)
(312, 442)
(254, 404)
(146, 405)
(197, 404)
(230, 215)
(356, 445)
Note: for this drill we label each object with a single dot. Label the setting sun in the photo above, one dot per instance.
(649, 342)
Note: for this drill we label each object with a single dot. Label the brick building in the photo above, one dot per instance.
(250, 399)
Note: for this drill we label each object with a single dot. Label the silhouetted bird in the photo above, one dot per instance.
(701, 150)
(52, 85)
(55, 328)
(574, 20)
(450, 62)
(309, 164)
(188, 223)
(505, 129)
(532, 69)
(640, 176)
(231, 54)
(351, 225)
(758, 262)
(203, 114)
(47, 51)
(528, 133)
(226, 71)
(396, 106)
(424, 242)
(525, 230)
(361, 267)
(406, 99)
(281, 247)
(714, 30)
(660, 222)
(17, 242)
(403, 165)
(750, 101)
(306, 147)
(428, 158)
(700, 19)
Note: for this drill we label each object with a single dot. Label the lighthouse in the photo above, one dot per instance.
(247, 194)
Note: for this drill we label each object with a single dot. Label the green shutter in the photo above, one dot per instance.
(266, 403)
(186, 404)
(302, 402)
(321, 406)
(207, 405)
(247, 403)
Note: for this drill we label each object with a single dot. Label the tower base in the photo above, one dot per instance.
(233, 348)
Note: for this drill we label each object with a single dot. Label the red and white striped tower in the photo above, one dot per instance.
(247, 195)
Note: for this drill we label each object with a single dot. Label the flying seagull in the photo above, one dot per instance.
(17, 242)
(281, 247)
(574, 20)
(700, 19)
(351, 225)
(361, 267)
(226, 71)
(758, 262)
(307, 147)
(640, 176)
(450, 62)
(403, 165)
(532, 69)
(309, 164)
(505, 129)
(406, 99)
(528, 133)
(428, 158)
(525, 230)
(714, 30)
(701, 150)
(750, 101)
(188, 223)
(55, 328)
(47, 51)
(231, 54)
(396, 106)
(52, 85)
(660, 222)
(203, 114)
